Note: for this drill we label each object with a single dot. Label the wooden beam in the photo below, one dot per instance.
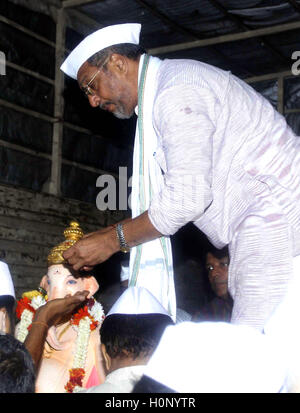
(25, 30)
(186, 32)
(167, 20)
(263, 42)
(268, 76)
(19, 148)
(291, 111)
(225, 38)
(30, 72)
(77, 3)
(55, 181)
(80, 129)
(29, 112)
(87, 24)
(88, 168)
(295, 5)
(46, 118)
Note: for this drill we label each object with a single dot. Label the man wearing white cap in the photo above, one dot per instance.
(215, 357)
(231, 165)
(7, 300)
(229, 358)
(129, 335)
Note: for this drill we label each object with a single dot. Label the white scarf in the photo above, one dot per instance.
(151, 264)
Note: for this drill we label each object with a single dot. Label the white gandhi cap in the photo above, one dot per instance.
(99, 40)
(6, 284)
(137, 300)
(216, 357)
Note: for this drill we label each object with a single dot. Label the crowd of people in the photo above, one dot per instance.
(142, 349)
(210, 150)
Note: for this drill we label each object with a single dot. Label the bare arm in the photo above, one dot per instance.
(98, 246)
(47, 316)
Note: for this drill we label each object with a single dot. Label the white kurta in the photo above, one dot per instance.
(232, 166)
(121, 380)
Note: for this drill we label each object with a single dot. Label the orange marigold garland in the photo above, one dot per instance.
(25, 311)
(76, 378)
(22, 304)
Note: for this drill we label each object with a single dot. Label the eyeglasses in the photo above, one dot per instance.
(87, 90)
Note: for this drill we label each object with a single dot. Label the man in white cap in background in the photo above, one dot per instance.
(7, 300)
(129, 335)
(210, 150)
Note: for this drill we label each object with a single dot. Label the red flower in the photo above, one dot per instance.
(24, 304)
(93, 325)
(76, 377)
(81, 313)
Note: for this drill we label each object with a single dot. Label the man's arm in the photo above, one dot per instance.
(47, 316)
(185, 118)
(98, 246)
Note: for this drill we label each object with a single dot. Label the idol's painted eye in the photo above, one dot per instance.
(48, 281)
(72, 282)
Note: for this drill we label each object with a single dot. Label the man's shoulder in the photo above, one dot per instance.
(121, 380)
(187, 71)
(182, 77)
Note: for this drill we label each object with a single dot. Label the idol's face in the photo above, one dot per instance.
(61, 282)
(218, 274)
(108, 88)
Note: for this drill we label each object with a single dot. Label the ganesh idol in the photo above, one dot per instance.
(71, 359)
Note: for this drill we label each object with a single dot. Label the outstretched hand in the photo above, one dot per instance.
(92, 249)
(49, 315)
(59, 309)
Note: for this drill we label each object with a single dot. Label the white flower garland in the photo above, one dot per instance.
(82, 342)
(22, 329)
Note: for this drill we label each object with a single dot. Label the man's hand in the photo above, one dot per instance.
(48, 315)
(97, 247)
(59, 309)
(92, 249)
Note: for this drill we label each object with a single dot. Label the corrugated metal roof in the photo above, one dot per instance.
(169, 22)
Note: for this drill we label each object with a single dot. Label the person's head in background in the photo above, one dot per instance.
(17, 373)
(216, 264)
(7, 300)
(132, 329)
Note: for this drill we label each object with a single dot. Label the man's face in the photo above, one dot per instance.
(110, 90)
(218, 274)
